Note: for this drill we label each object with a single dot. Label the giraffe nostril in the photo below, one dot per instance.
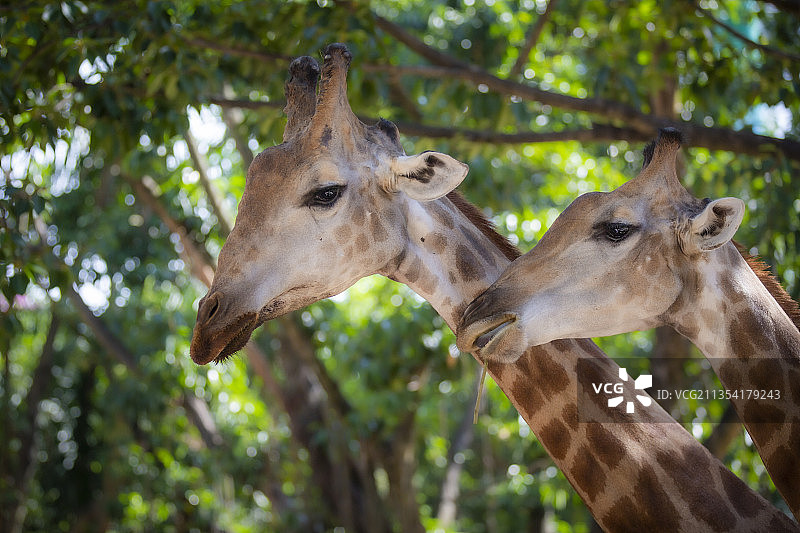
(213, 310)
(210, 307)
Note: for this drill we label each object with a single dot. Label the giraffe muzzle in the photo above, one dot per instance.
(480, 326)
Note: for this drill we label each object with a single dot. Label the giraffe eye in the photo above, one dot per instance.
(617, 231)
(326, 196)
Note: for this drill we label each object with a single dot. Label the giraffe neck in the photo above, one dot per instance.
(752, 346)
(638, 475)
(448, 261)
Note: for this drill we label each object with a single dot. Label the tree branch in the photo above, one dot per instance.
(714, 138)
(199, 263)
(201, 166)
(724, 433)
(431, 54)
(531, 39)
(736, 33)
(597, 133)
(639, 125)
(788, 6)
(200, 42)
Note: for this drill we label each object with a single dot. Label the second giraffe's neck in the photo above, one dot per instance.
(645, 474)
(733, 315)
(754, 348)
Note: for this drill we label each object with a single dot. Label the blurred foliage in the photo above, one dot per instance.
(95, 96)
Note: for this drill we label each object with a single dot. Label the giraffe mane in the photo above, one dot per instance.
(480, 221)
(771, 283)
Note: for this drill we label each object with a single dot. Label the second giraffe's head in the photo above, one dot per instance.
(611, 263)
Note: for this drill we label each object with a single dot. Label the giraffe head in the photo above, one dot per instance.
(611, 263)
(319, 211)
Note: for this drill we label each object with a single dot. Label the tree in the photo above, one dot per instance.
(126, 132)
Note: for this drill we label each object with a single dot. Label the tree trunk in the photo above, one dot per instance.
(400, 466)
(28, 445)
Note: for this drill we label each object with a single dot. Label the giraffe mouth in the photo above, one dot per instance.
(483, 333)
(238, 340)
(485, 338)
(219, 346)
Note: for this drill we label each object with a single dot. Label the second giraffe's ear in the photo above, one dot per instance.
(427, 176)
(715, 225)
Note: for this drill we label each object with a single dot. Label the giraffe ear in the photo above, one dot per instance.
(716, 224)
(427, 176)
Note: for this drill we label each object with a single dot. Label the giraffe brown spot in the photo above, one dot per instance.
(732, 292)
(343, 233)
(451, 277)
(555, 438)
(741, 342)
(626, 515)
(785, 465)
(562, 345)
(361, 242)
(359, 216)
(427, 282)
(475, 239)
(441, 215)
(609, 449)
(551, 377)
(378, 231)
(687, 466)
(708, 316)
(590, 370)
(651, 266)
(754, 325)
(587, 473)
(743, 500)
(414, 270)
(524, 387)
(762, 412)
(729, 372)
(766, 374)
(570, 415)
(787, 342)
(435, 242)
(468, 265)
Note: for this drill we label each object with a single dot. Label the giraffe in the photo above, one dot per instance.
(339, 200)
(649, 254)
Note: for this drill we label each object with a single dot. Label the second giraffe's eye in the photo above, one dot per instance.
(326, 196)
(617, 231)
